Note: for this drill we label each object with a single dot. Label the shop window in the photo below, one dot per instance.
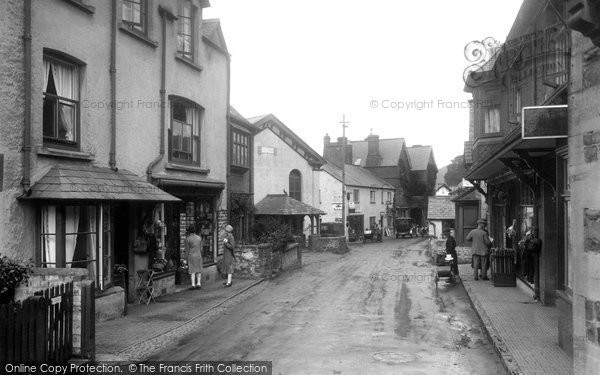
(356, 196)
(296, 185)
(70, 239)
(61, 102)
(372, 196)
(492, 120)
(239, 151)
(372, 221)
(134, 15)
(184, 132)
(185, 30)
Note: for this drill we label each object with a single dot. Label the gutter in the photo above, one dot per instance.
(113, 89)
(165, 15)
(26, 181)
(228, 142)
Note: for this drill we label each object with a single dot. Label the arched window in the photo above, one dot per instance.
(296, 185)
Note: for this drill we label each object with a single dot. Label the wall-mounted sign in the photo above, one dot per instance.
(550, 121)
(337, 206)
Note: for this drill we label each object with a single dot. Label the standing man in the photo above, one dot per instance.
(480, 248)
(451, 249)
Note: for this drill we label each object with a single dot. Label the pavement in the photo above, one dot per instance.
(148, 328)
(524, 332)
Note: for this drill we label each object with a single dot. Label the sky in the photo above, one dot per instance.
(392, 67)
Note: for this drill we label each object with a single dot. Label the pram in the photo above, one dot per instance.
(443, 266)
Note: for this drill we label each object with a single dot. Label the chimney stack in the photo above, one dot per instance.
(373, 155)
(332, 152)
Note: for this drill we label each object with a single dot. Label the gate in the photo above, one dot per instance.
(23, 331)
(59, 343)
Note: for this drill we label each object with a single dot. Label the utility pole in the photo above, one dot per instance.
(344, 126)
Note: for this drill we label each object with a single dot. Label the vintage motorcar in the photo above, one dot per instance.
(404, 227)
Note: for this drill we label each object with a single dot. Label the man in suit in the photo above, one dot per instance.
(480, 249)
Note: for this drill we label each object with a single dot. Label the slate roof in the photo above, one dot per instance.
(468, 195)
(440, 208)
(237, 117)
(283, 205)
(389, 149)
(211, 29)
(356, 176)
(96, 184)
(419, 157)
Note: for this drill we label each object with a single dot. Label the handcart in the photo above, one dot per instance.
(372, 234)
(442, 266)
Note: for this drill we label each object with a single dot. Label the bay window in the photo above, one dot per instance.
(78, 236)
(491, 122)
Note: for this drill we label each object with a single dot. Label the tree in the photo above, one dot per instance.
(456, 171)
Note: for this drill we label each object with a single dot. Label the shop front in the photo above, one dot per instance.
(199, 207)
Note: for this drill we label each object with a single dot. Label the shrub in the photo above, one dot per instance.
(12, 273)
(270, 230)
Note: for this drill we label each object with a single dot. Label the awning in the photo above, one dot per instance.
(198, 182)
(85, 183)
(283, 205)
(509, 149)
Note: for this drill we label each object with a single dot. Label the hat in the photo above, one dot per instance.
(229, 229)
(482, 221)
(449, 257)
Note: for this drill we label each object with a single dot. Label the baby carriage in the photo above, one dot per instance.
(443, 267)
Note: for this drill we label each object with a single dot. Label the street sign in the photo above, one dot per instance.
(549, 121)
(337, 206)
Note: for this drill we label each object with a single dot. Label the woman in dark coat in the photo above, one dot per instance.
(228, 256)
(193, 245)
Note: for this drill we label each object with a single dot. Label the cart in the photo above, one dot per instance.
(373, 235)
(442, 267)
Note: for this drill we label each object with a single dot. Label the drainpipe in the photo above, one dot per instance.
(26, 181)
(165, 15)
(113, 89)
(228, 143)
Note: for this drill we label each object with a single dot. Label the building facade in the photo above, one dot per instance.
(121, 140)
(369, 199)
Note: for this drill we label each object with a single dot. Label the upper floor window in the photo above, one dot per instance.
(239, 152)
(389, 196)
(491, 122)
(184, 132)
(372, 196)
(356, 196)
(185, 30)
(296, 185)
(61, 102)
(134, 15)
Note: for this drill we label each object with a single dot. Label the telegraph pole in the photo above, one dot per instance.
(344, 126)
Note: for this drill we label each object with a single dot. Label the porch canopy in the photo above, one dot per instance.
(86, 183)
(512, 148)
(284, 206)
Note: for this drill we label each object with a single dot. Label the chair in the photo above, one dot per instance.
(145, 287)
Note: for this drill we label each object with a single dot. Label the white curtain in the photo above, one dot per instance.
(91, 250)
(65, 80)
(71, 226)
(47, 67)
(49, 235)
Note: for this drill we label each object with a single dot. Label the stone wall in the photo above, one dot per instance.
(253, 261)
(336, 245)
(289, 258)
(44, 278)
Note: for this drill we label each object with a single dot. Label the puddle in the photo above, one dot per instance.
(394, 358)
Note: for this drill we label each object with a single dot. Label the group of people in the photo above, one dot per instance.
(482, 243)
(193, 246)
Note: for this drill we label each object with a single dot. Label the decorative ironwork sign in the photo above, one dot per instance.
(550, 121)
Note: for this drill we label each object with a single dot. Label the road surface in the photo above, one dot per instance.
(374, 310)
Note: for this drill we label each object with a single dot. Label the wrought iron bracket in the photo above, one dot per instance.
(477, 185)
(508, 162)
(535, 167)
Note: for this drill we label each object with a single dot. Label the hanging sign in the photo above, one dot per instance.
(550, 121)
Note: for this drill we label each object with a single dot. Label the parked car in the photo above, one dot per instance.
(404, 226)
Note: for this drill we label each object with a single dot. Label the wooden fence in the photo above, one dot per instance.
(40, 328)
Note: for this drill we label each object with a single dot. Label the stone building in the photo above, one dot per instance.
(114, 134)
(520, 155)
(580, 305)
